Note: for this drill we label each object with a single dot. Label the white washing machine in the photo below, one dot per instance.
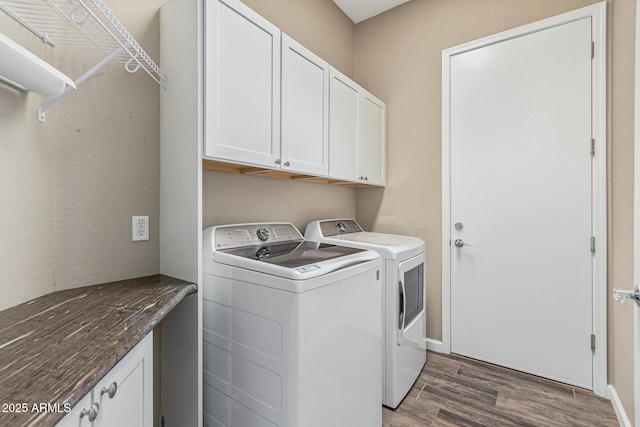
(403, 269)
(291, 330)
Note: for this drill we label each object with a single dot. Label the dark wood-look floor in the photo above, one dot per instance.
(459, 392)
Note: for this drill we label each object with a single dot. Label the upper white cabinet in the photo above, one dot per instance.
(343, 127)
(271, 103)
(242, 84)
(305, 110)
(371, 139)
(357, 140)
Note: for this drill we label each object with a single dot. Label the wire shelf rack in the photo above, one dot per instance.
(84, 24)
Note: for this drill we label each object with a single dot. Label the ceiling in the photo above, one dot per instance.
(359, 10)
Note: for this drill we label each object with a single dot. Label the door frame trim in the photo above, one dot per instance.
(597, 12)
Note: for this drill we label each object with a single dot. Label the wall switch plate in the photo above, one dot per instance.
(139, 228)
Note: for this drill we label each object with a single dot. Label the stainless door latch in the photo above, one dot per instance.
(460, 243)
(621, 295)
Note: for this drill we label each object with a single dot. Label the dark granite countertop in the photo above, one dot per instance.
(54, 349)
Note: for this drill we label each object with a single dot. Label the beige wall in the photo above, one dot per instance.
(230, 198)
(398, 57)
(621, 50)
(319, 25)
(69, 186)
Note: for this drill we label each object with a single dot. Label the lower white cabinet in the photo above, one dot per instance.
(75, 417)
(123, 397)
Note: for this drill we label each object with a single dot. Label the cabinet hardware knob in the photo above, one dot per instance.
(360, 178)
(366, 178)
(277, 161)
(92, 413)
(286, 164)
(111, 391)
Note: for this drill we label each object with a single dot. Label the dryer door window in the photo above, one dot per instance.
(411, 292)
(414, 295)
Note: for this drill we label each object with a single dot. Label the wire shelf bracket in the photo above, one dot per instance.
(84, 24)
(44, 107)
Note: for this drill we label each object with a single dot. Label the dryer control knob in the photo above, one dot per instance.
(263, 233)
(341, 227)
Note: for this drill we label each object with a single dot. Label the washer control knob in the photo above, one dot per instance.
(263, 253)
(263, 233)
(341, 227)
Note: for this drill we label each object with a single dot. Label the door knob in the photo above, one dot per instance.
(621, 295)
(460, 243)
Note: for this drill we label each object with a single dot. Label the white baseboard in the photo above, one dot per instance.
(623, 420)
(433, 345)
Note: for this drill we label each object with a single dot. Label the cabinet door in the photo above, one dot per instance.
(132, 403)
(305, 110)
(343, 126)
(73, 418)
(242, 84)
(372, 139)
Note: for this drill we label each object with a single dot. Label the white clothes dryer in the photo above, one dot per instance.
(403, 293)
(291, 330)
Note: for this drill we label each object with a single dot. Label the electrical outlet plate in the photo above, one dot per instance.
(139, 228)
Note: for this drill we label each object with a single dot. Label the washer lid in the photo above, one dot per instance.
(277, 249)
(292, 254)
(294, 260)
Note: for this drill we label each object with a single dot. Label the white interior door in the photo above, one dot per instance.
(521, 126)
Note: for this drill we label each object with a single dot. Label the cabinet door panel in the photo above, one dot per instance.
(132, 404)
(242, 84)
(343, 127)
(372, 139)
(305, 109)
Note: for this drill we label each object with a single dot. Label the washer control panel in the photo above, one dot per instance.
(237, 236)
(339, 226)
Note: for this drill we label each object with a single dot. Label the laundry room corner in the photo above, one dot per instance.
(71, 184)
